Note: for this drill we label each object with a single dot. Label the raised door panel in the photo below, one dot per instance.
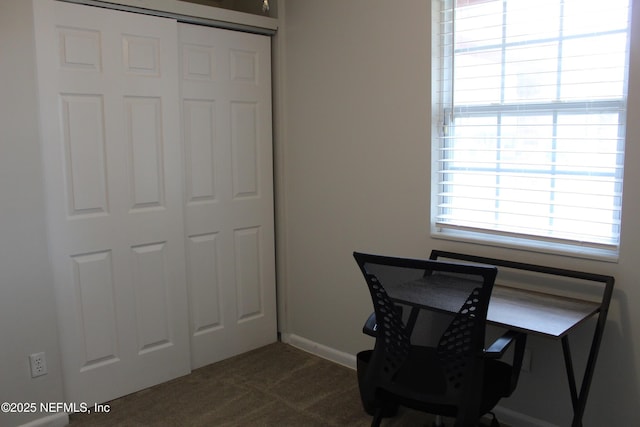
(199, 123)
(93, 280)
(151, 293)
(143, 117)
(83, 130)
(206, 309)
(249, 289)
(244, 143)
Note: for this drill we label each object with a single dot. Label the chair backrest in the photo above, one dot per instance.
(463, 341)
(461, 345)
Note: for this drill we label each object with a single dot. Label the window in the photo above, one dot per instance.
(530, 102)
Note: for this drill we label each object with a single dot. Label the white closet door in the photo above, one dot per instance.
(226, 110)
(108, 84)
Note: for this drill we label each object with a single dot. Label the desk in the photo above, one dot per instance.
(528, 311)
(512, 308)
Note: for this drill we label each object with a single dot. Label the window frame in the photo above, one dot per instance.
(440, 126)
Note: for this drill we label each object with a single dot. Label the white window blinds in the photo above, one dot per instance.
(531, 98)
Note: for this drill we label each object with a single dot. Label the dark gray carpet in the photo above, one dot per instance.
(277, 385)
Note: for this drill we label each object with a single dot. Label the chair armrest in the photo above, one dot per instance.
(500, 346)
(371, 326)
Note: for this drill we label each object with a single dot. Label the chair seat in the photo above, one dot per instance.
(421, 384)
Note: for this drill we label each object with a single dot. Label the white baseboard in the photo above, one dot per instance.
(517, 419)
(323, 351)
(60, 419)
(505, 415)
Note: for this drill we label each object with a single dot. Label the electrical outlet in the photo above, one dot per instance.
(38, 364)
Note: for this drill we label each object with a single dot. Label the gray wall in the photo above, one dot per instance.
(27, 312)
(355, 171)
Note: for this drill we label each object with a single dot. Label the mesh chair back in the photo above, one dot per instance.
(463, 341)
(459, 289)
(393, 340)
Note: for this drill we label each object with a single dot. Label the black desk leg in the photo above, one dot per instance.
(579, 401)
(568, 362)
(411, 322)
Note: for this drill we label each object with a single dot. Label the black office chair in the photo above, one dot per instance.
(458, 377)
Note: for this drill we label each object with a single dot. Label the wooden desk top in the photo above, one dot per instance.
(536, 312)
(529, 311)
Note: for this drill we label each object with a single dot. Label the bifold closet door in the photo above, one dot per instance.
(226, 119)
(109, 95)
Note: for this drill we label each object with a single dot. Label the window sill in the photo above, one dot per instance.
(531, 245)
